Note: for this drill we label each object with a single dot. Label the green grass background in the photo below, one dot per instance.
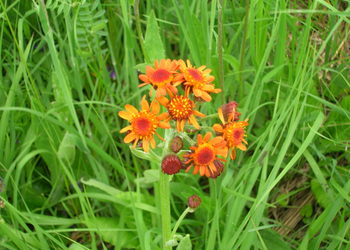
(68, 180)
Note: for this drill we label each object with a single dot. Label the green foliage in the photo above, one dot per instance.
(69, 180)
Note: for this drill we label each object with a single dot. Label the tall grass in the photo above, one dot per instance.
(70, 181)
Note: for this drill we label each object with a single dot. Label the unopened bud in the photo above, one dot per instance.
(194, 201)
(219, 168)
(171, 164)
(2, 204)
(176, 144)
(230, 109)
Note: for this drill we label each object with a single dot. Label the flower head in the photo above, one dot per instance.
(176, 144)
(197, 80)
(194, 201)
(143, 124)
(161, 76)
(204, 154)
(181, 109)
(233, 133)
(229, 110)
(171, 164)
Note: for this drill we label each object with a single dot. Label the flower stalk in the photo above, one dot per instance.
(165, 208)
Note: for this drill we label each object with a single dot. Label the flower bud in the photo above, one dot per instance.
(176, 144)
(219, 168)
(230, 109)
(171, 164)
(2, 204)
(194, 201)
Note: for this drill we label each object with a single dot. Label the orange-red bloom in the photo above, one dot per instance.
(233, 132)
(204, 154)
(143, 124)
(197, 80)
(181, 109)
(161, 76)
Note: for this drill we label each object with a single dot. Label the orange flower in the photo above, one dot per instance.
(161, 76)
(204, 155)
(181, 109)
(143, 124)
(197, 80)
(233, 132)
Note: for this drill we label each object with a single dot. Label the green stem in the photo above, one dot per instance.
(165, 208)
(183, 215)
(220, 58)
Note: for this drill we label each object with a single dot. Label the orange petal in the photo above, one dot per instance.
(145, 145)
(125, 129)
(153, 143)
(160, 92)
(130, 137)
(207, 137)
(199, 139)
(207, 173)
(197, 113)
(164, 116)
(159, 136)
(218, 128)
(194, 122)
(131, 109)
(142, 84)
(196, 169)
(163, 100)
(178, 127)
(125, 115)
(155, 107)
(205, 96)
(171, 89)
(222, 152)
(216, 91)
(212, 167)
(149, 71)
(201, 170)
(197, 92)
(143, 78)
(164, 125)
(221, 116)
(233, 154)
(242, 147)
(144, 104)
(216, 140)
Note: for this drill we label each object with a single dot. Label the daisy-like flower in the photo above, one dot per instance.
(181, 109)
(204, 154)
(143, 124)
(161, 76)
(197, 80)
(233, 132)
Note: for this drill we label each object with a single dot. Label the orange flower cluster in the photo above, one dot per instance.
(179, 86)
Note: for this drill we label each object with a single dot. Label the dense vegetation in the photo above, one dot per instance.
(68, 179)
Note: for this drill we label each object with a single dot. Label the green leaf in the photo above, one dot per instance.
(273, 240)
(322, 197)
(66, 149)
(153, 43)
(283, 200)
(150, 176)
(76, 246)
(306, 210)
(111, 232)
(185, 243)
